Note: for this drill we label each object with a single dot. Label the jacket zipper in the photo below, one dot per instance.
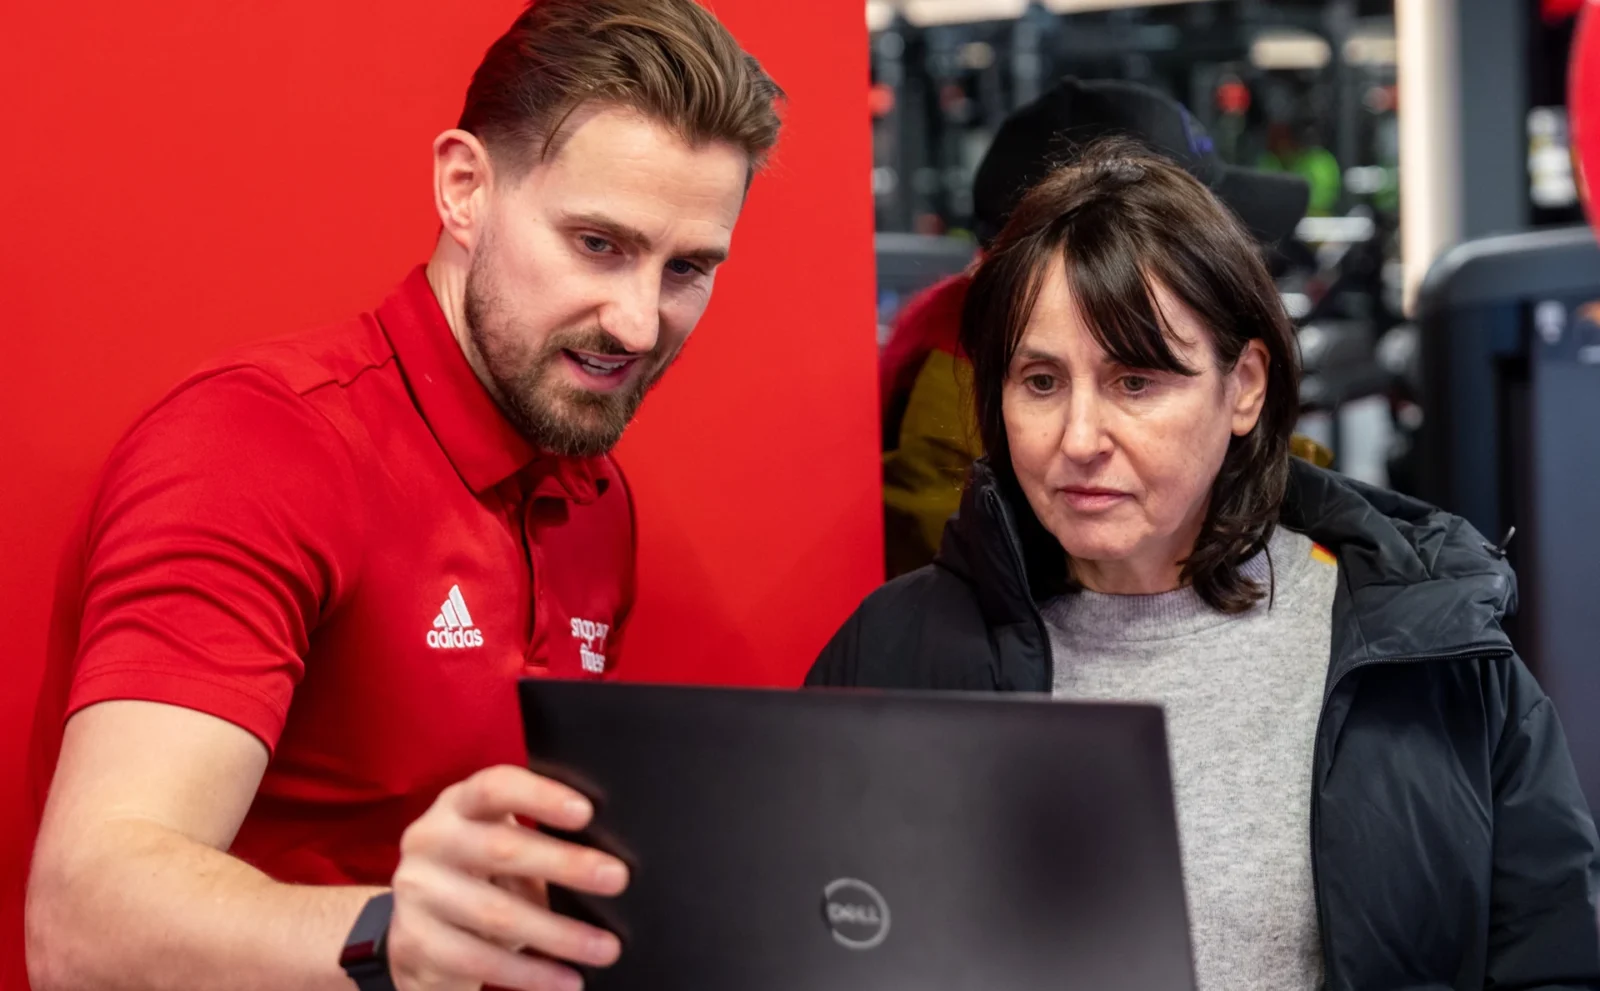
(1019, 563)
(1476, 652)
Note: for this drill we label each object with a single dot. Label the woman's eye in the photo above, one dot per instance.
(1133, 385)
(595, 245)
(682, 268)
(1040, 382)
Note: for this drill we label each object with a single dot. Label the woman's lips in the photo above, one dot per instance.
(1091, 499)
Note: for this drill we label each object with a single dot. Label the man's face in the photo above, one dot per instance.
(592, 269)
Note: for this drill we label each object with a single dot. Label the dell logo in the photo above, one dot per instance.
(856, 914)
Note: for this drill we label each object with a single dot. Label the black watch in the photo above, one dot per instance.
(366, 952)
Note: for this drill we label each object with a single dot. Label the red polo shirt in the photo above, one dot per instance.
(338, 543)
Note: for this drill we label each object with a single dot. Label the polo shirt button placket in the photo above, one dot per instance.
(515, 497)
(532, 663)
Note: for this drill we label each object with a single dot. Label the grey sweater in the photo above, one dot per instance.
(1242, 696)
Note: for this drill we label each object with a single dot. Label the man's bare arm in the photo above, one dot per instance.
(130, 885)
(131, 888)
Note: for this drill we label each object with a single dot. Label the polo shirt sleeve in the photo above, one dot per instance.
(222, 530)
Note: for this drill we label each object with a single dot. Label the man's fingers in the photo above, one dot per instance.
(508, 790)
(497, 916)
(504, 850)
(432, 953)
(527, 888)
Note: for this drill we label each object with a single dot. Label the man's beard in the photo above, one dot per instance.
(554, 417)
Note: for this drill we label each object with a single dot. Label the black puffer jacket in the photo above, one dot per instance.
(1451, 845)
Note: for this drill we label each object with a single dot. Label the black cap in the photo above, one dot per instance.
(1075, 112)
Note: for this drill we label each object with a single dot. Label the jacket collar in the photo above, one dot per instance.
(1415, 582)
(987, 544)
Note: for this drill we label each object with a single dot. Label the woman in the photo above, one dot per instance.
(1329, 655)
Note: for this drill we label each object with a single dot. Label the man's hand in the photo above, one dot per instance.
(468, 905)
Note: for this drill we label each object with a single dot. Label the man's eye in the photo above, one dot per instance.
(596, 245)
(684, 268)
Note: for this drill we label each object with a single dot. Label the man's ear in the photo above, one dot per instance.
(462, 178)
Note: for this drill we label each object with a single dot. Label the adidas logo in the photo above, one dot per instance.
(452, 628)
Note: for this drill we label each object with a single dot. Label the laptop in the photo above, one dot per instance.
(800, 841)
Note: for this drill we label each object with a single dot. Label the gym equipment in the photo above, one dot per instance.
(909, 263)
(1510, 349)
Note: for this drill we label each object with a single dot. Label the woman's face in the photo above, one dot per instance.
(1118, 462)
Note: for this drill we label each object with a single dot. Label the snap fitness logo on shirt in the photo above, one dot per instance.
(591, 651)
(453, 628)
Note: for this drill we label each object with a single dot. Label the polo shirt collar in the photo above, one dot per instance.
(480, 442)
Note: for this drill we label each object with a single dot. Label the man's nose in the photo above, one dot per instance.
(633, 316)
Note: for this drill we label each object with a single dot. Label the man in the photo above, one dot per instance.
(388, 522)
(1292, 149)
(929, 442)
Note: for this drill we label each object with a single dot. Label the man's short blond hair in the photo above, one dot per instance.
(670, 60)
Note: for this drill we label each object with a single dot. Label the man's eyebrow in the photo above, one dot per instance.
(638, 239)
(616, 230)
(710, 255)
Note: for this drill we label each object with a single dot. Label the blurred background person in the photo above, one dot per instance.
(1288, 152)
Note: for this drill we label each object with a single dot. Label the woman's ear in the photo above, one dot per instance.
(1249, 381)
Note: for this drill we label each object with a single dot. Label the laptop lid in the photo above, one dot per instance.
(791, 841)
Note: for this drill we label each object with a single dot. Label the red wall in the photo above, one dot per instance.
(183, 175)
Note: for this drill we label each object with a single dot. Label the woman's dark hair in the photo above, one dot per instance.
(1124, 219)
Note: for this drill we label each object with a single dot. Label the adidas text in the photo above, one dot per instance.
(455, 639)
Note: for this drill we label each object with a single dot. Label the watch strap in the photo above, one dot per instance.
(365, 956)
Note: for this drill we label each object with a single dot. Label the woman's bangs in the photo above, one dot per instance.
(1116, 300)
